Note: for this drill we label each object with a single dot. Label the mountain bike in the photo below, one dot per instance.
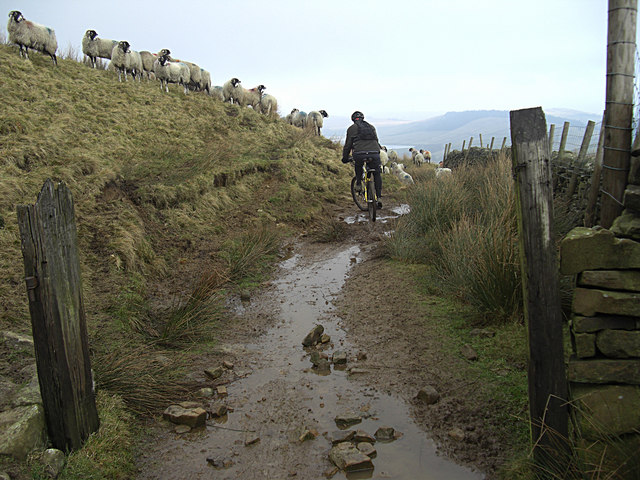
(365, 199)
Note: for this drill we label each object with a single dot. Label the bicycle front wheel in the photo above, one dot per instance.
(358, 198)
(371, 200)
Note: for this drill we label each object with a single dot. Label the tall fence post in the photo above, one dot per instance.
(541, 288)
(463, 144)
(586, 140)
(563, 141)
(504, 142)
(491, 146)
(468, 149)
(52, 275)
(594, 189)
(481, 144)
(552, 132)
(621, 50)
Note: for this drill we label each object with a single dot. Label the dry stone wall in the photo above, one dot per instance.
(604, 369)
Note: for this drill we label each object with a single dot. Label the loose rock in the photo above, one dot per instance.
(347, 419)
(339, 436)
(53, 461)
(348, 458)
(469, 353)
(313, 336)
(367, 448)
(218, 410)
(251, 439)
(428, 395)
(324, 338)
(456, 434)
(339, 358)
(180, 429)
(385, 434)
(193, 417)
(214, 373)
(362, 436)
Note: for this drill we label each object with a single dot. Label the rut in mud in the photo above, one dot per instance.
(274, 393)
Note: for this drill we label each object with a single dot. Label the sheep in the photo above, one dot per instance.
(27, 34)
(268, 105)
(216, 92)
(147, 62)
(136, 67)
(398, 170)
(171, 72)
(289, 117)
(418, 159)
(231, 91)
(94, 47)
(384, 157)
(121, 59)
(252, 96)
(427, 155)
(205, 83)
(195, 72)
(443, 172)
(299, 119)
(315, 119)
(393, 156)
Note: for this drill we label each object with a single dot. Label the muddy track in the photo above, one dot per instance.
(274, 393)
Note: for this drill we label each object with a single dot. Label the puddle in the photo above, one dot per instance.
(282, 394)
(382, 217)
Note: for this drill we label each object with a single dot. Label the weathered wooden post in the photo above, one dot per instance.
(468, 149)
(541, 291)
(504, 142)
(621, 51)
(463, 144)
(563, 141)
(586, 140)
(52, 274)
(481, 144)
(491, 146)
(552, 132)
(594, 188)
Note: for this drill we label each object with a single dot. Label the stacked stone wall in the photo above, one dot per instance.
(604, 368)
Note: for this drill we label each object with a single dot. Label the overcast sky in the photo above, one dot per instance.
(408, 59)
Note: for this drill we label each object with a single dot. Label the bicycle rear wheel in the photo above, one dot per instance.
(371, 199)
(358, 198)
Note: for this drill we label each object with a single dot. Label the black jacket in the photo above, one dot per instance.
(359, 145)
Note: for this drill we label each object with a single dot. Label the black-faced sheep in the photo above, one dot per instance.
(216, 92)
(268, 105)
(171, 72)
(252, 96)
(315, 120)
(232, 91)
(94, 47)
(299, 119)
(147, 62)
(289, 117)
(27, 34)
(121, 59)
(136, 68)
(205, 83)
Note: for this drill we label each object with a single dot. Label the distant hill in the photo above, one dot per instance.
(455, 127)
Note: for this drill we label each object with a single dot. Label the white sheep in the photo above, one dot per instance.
(94, 47)
(384, 157)
(289, 117)
(136, 68)
(147, 62)
(231, 91)
(299, 119)
(398, 170)
(315, 120)
(443, 172)
(195, 72)
(27, 34)
(121, 58)
(251, 96)
(393, 156)
(268, 105)
(171, 72)
(418, 159)
(216, 92)
(205, 82)
(427, 155)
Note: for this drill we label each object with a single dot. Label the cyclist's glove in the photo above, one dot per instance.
(345, 160)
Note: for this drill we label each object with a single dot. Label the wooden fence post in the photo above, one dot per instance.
(621, 51)
(541, 288)
(594, 189)
(463, 143)
(563, 141)
(481, 144)
(552, 132)
(586, 140)
(52, 274)
(468, 149)
(504, 142)
(491, 146)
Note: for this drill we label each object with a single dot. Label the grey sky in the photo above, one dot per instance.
(395, 58)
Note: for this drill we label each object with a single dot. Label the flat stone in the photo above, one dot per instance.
(349, 459)
(604, 371)
(601, 322)
(428, 395)
(193, 417)
(218, 410)
(596, 249)
(16, 341)
(331, 472)
(468, 352)
(313, 337)
(634, 171)
(181, 429)
(214, 373)
(22, 429)
(324, 338)
(367, 448)
(385, 434)
(339, 436)
(585, 344)
(607, 409)
(588, 302)
(627, 225)
(362, 436)
(619, 343)
(221, 390)
(347, 419)
(251, 439)
(227, 364)
(339, 358)
(631, 198)
(611, 279)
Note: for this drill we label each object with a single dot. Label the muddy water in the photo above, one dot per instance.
(383, 216)
(282, 394)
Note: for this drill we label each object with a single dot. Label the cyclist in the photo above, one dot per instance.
(362, 139)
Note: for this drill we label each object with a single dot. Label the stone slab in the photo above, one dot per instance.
(631, 199)
(585, 344)
(597, 370)
(588, 302)
(349, 459)
(627, 225)
(596, 249)
(582, 324)
(634, 171)
(619, 343)
(628, 280)
(22, 429)
(606, 409)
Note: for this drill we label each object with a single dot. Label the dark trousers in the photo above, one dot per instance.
(374, 162)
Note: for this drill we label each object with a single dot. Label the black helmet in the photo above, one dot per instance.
(357, 116)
